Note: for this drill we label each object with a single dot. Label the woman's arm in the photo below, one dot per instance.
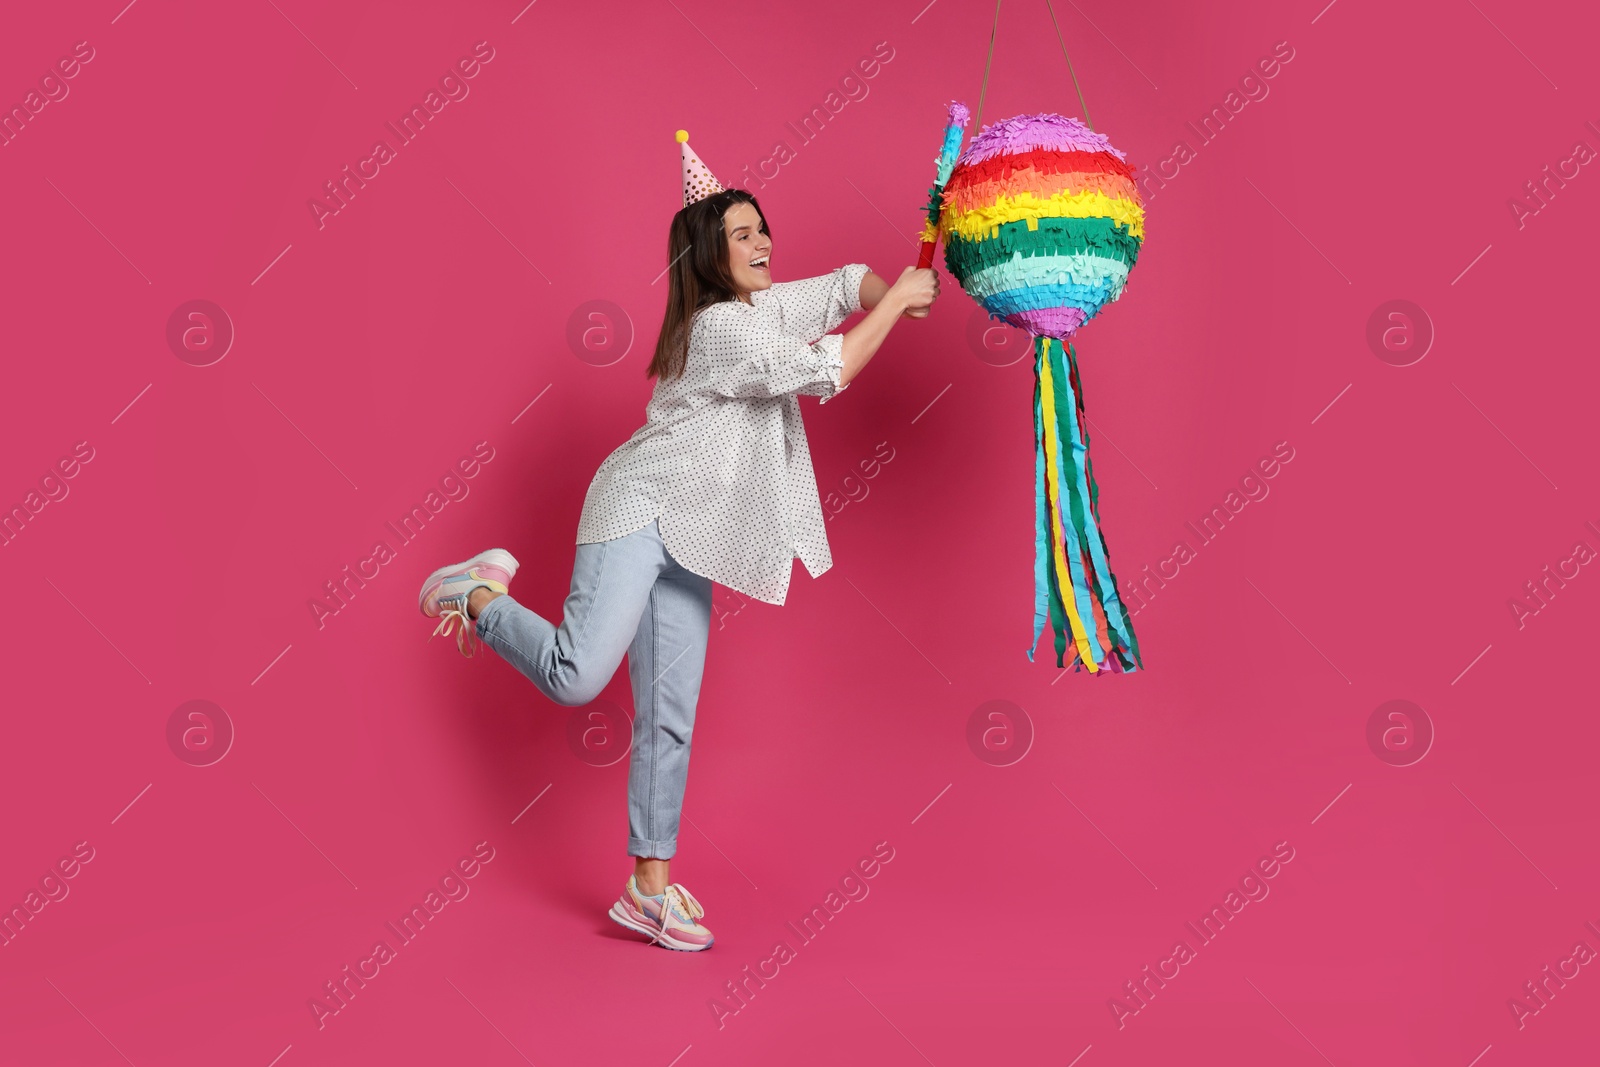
(873, 290)
(914, 290)
(743, 359)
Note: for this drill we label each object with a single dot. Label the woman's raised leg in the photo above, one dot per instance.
(571, 662)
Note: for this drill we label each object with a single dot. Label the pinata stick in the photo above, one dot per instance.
(946, 163)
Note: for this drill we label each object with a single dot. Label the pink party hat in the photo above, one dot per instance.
(698, 181)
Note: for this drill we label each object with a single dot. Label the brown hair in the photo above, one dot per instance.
(697, 251)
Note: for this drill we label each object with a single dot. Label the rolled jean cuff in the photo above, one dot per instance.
(659, 850)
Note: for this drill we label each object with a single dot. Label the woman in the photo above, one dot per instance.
(716, 486)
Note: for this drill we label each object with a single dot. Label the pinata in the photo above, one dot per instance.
(1042, 221)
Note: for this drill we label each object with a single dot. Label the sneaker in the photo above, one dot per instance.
(669, 920)
(444, 594)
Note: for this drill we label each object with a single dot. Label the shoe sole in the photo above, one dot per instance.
(622, 918)
(495, 557)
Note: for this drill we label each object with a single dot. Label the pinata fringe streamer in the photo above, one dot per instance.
(1074, 588)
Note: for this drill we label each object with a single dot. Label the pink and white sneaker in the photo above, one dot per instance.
(444, 594)
(669, 920)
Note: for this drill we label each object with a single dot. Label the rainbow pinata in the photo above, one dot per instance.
(1042, 222)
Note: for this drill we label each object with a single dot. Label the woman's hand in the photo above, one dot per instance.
(916, 289)
(909, 297)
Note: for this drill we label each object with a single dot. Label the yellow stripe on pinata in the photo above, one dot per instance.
(983, 222)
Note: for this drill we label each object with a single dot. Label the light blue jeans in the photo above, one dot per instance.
(629, 595)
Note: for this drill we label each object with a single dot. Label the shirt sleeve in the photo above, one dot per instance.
(745, 358)
(815, 306)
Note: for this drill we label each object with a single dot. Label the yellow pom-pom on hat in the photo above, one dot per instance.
(698, 181)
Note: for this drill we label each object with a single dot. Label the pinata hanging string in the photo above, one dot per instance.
(1081, 102)
(987, 63)
(985, 88)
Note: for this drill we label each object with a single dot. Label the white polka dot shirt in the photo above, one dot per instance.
(722, 458)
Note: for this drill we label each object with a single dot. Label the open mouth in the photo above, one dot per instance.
(759, 264)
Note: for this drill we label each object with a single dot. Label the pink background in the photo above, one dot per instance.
(433, 310)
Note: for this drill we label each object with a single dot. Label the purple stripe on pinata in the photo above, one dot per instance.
(1026, 133)
(1059, 323)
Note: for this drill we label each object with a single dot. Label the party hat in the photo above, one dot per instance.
(698, 181)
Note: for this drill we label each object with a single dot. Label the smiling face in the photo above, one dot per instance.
(749, 249)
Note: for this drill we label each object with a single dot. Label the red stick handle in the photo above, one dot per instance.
(925, 259)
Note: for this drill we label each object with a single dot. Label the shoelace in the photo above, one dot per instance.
(688, 906)
(692, 906)
(455, 620)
